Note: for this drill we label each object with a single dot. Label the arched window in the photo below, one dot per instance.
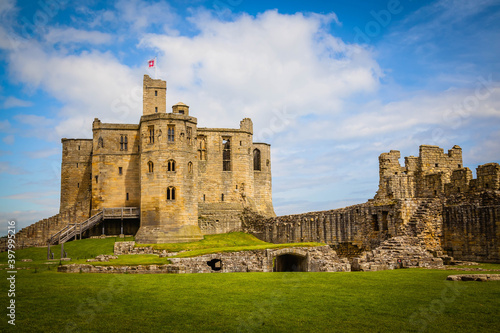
(171, 165)
(150, 166)
(171, 193)
(256, 159)
(222, 197)
(190, 167)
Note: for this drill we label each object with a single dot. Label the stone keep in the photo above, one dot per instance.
(187, 181)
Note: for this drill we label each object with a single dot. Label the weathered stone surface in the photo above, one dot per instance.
(474, 277)
(102, 257)
(397, 252)
(314, 259)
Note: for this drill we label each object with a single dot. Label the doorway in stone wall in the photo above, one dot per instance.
(290, 263)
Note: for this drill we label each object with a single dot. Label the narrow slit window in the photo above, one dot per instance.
(96, 179)
(156, 109)
(190, 167)
(78, 185)
(203, 197)
(127, 196)
(156, 92)
(120, 170)
(222, 197)
(77, 165)
(226, 154)
(150, 166)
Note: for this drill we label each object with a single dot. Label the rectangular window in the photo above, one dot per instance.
(127, 196)
(156, 92)
(188, 134)
(123, 142)
(171, 133)
(151, 130)
(226, 154)
(120, 170)
(77, 165)
(156, 109)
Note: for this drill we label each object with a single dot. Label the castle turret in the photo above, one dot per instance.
(154, 96)
(169, 205)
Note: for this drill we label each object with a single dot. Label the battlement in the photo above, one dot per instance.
(424, 176)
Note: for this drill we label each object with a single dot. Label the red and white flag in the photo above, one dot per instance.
(151, 63)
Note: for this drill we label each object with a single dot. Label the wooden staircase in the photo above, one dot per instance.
(73, 229)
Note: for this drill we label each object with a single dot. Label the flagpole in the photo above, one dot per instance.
(156, 65)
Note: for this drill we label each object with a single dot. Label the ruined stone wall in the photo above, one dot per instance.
(433, 161)
(471, 226)
(424, 176)
(37, 234)
(364, 226)
(356, 227)
(488, 176)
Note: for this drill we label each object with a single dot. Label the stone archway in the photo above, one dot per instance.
(290, 260)
(290, 263)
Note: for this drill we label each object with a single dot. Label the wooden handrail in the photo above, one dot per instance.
(72, 229)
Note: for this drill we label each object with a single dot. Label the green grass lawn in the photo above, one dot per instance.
(413, 300)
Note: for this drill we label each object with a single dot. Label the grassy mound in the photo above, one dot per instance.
(80, 250)
(230, 242)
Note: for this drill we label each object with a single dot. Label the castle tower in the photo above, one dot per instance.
(169, 207)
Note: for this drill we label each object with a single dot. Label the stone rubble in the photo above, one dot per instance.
(396, 252)
(474, 277)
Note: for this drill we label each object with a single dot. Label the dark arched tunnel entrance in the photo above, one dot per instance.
(290, 263)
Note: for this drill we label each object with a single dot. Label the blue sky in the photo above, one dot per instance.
(331, 85)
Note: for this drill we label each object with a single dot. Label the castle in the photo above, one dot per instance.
(183, 180)
(166, 180)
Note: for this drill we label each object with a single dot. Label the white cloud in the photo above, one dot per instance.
(5, 125)
(7, 168)
(44, 153)
(12, 102)
(9, 140)
(143, 14)
(72, 35)
(254, 64)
